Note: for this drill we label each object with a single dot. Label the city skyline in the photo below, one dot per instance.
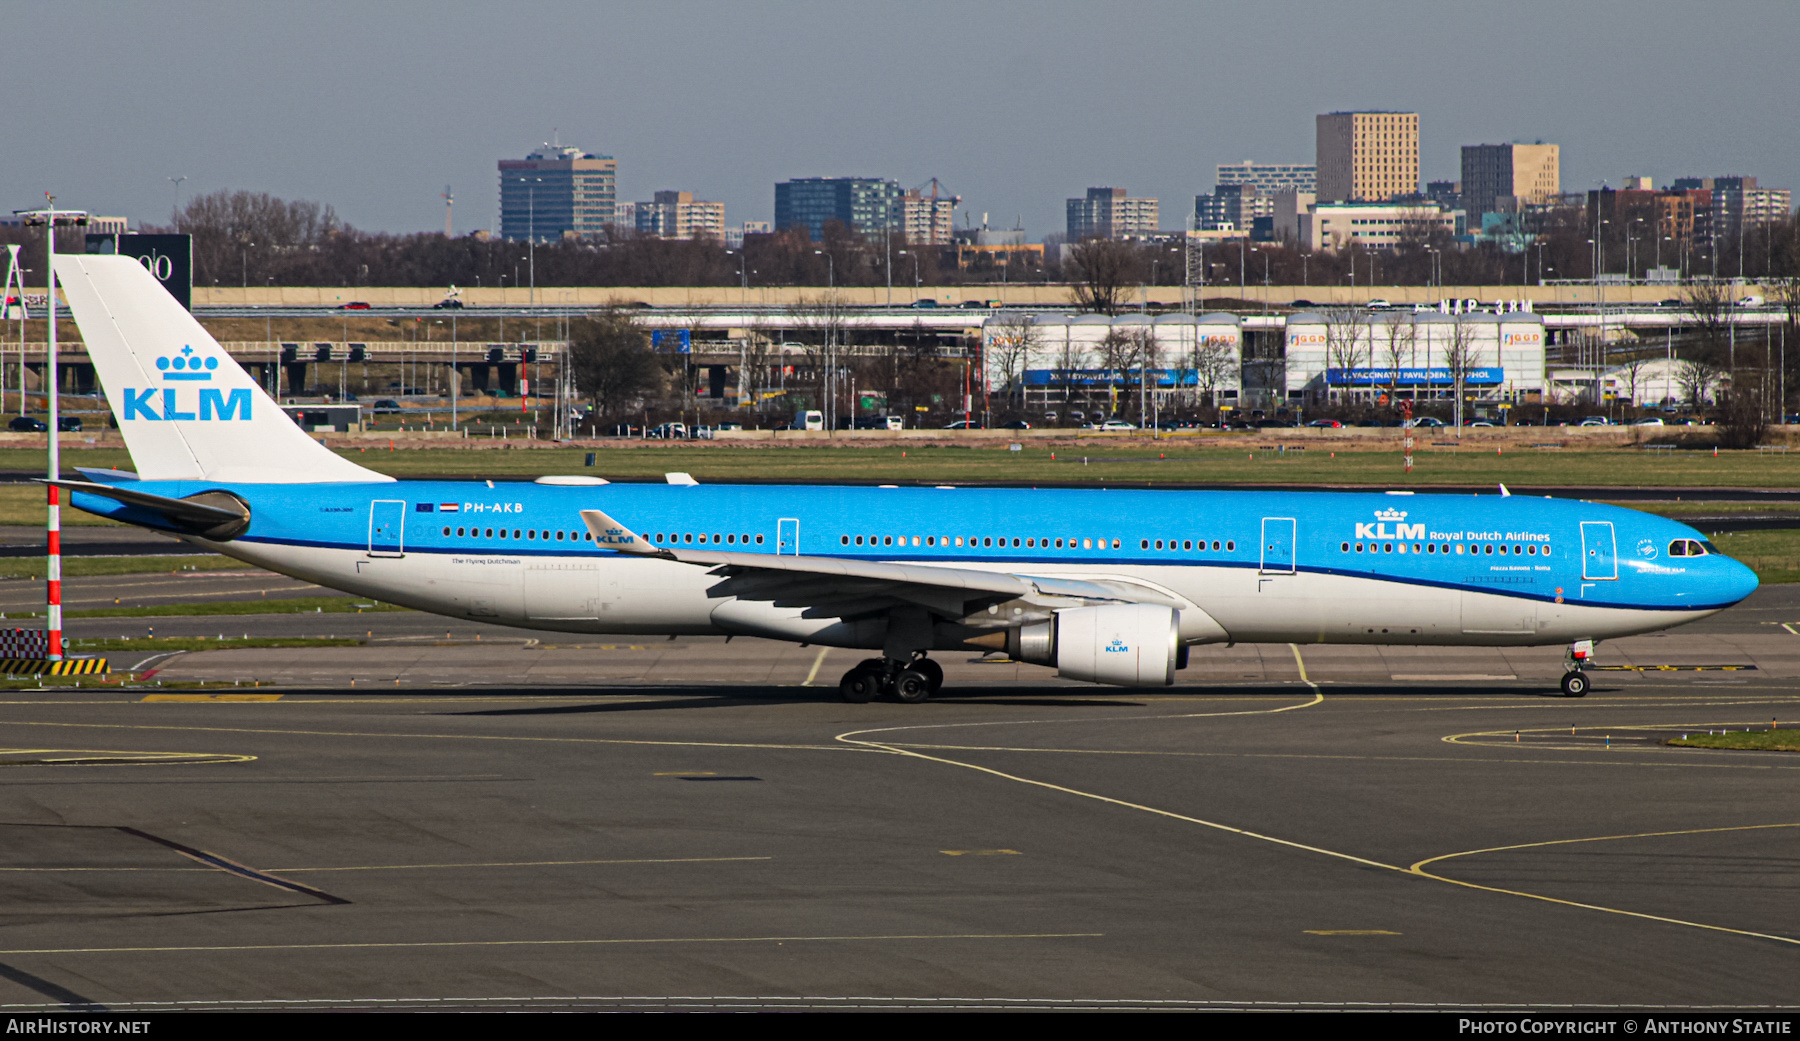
(996, 110)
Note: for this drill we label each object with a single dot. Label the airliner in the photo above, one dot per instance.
(1103, 585)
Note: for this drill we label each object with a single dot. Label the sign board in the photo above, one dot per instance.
(1432, 377)
(168, 257)
(680, 341)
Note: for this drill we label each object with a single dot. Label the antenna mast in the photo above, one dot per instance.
(449, 206)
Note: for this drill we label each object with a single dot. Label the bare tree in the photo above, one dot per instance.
(1460, 357)
(1118, 351)
(1214, 362)
(1347, 343)
(1696, 377)
(1398, 337)
(1011, 345)
(609, 355)
(1631, 372)
(1100, 272)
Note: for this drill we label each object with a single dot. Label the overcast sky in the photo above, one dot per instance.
(374, 107)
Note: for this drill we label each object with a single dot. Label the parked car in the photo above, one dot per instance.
(1652, 421)
(1379, 304)
(924, 303)
(668, 431)
(68, 424)
(1426, 421)
(1752, 301)
(730, 426)
(1327, 424)
(1117, 424)
(28, 425)
(964, 424)
(384, 406)
(354, 305)
(452, 304)
(1481, 423)
(1302, 303)
(1015, 424)
(1596, 421)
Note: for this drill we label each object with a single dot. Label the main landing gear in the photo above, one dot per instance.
(1575, 681)
(912, 682)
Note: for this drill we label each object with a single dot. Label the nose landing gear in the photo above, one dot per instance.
(911, 682)
(1575, 682)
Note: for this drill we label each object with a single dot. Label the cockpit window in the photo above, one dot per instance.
(1691, 548)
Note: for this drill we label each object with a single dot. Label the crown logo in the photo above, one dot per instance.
(186, 367)
(1390, 515)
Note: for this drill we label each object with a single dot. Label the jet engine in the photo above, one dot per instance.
(1128, 645)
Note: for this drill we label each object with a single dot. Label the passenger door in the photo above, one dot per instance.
(1599, 552)
(387, 528)
(787, 536)
(1278, 545)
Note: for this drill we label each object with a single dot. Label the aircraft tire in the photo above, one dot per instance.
(860, 685)
(1575, 684)
(912, 686)
(933, 672)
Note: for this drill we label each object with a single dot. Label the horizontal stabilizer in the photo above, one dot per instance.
(218, 516)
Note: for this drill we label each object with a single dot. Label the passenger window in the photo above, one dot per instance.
(490, 533)
(1115, 544)
(1231, 547)
(759, 539)
(446, 531)
(844, 540)
(559, 536)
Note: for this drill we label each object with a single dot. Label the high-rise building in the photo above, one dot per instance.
(1501, 178)
(676, 215)
(926, 220)
(557, 191)
(1738, 205)
(1234, 207)
(1108, 213)
(862, 204)
(1367, 156)
(1269, 178)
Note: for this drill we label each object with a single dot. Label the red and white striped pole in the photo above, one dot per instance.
(53, 529)
(53, 587)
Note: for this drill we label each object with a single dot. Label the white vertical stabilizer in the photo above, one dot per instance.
(187, 410)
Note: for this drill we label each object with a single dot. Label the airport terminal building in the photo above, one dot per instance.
(1088, 361)
(1357, 356)
(1047, 362)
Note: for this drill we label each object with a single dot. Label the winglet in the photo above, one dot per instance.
(685, 479)
(1504, 493)
(610, 534)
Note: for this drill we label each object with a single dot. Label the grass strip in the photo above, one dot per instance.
(293, 605)
(80, 567)
(1118, 461)
(208, 643)
(1754, 740)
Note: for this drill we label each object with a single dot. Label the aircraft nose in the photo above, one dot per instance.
(1737, 579)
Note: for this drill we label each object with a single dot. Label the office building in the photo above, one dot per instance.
(1108, 213)
(676, 215)
(1233, 207)
(1269, 178)
(926, 220)
(861, 204)
(1502, 178)
(1367, 156)
(557, 191)
(1330, 227)
(1738, 205)
(734, 237)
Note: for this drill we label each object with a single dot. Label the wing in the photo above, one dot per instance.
(837, 587)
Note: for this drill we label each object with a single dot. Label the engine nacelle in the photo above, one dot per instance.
(1128, 645)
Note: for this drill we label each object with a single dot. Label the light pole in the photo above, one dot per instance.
(531, 234)
(829, 383)
(175, 208)
(915, 260)
(50, 217)
(246, 265)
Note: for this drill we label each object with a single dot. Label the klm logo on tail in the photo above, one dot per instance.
(186, 367)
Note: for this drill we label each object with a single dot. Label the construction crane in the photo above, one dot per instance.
(449, 207)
